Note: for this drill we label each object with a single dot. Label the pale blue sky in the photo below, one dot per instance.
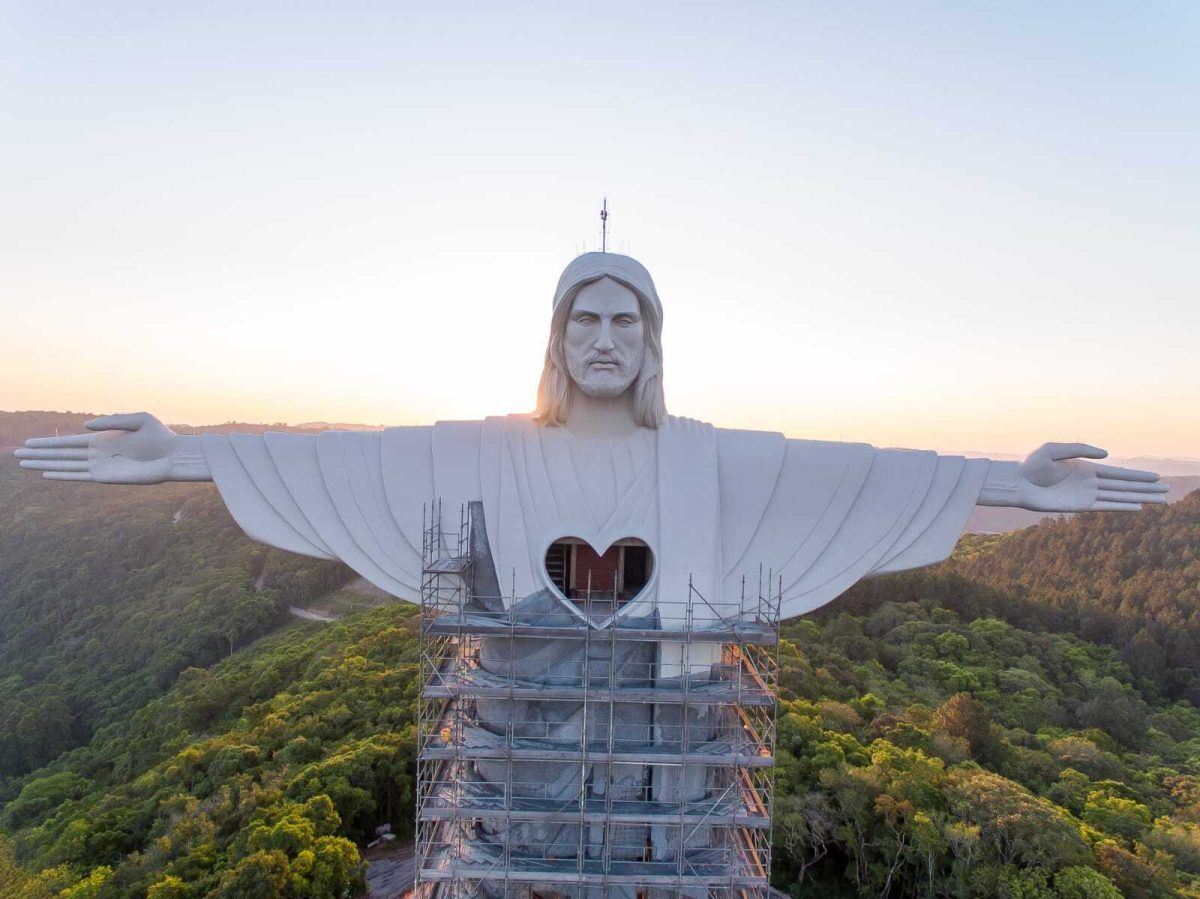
(948, 225)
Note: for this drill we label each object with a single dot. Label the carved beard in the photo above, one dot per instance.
(603, 383)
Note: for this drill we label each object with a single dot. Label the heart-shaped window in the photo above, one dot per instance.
(601, 581)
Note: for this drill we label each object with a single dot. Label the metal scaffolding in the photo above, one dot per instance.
(660, 781)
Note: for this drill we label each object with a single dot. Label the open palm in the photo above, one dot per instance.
(122, 449)
(1063, 481)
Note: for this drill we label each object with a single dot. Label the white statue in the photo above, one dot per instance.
(601, 460)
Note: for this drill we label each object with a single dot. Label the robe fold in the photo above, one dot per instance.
(732, 513)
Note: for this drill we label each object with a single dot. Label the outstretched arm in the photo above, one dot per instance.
(323, 496)
(121, 449)
(1056, 478)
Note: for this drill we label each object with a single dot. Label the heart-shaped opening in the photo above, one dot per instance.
(599, 582)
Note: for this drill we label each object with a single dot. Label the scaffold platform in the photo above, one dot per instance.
(562, 752)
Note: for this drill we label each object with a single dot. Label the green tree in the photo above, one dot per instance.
(1016, 827)
(262, 875)
(170, 887)
(331, 869)
(1116, 815)
(91, 886)
(1078, 882)
(1138, 875)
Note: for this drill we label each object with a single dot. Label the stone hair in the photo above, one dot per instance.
(557, 389)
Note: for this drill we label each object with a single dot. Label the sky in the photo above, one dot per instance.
(949, 226)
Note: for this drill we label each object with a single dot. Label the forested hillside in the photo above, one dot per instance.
(258, 778)
(995, 726)
(107, 593)
(1130, 581)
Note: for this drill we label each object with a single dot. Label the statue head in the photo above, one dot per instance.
(605, 339)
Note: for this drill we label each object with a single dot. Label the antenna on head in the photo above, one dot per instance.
(604, 226)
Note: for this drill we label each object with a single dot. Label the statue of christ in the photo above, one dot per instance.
(601, 461)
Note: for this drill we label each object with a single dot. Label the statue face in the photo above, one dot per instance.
(604, 342)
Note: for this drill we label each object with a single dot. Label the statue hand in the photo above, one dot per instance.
(1059, 480)
(125, 449)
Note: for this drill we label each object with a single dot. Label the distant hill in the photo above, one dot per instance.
(17, 427)
(337, 426)
(1181, 466)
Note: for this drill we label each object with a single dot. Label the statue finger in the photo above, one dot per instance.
(1118, 496)
(1132, 486)
(1106, 506)
(56, 442)
(1062, 451)
(80, 453)
(67, 476)
(1124, 474)
(53, 465)
(122, 422)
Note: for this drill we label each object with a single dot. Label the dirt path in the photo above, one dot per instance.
(310, 615)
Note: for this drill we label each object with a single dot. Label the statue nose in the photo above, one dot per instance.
(605, 341)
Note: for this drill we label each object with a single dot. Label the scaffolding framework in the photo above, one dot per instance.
(701, 824)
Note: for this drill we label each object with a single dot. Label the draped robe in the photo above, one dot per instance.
(716, 506)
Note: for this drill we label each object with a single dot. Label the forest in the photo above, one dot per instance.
(1020, 721)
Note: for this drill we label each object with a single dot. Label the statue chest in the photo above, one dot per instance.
(571, 513)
